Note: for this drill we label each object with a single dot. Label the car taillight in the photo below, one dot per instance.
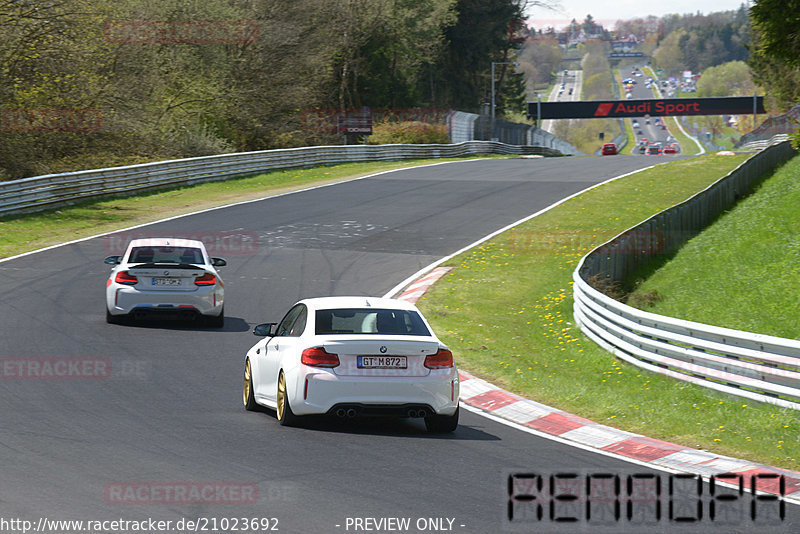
(124, 277)
(319, 357)
(207, 279)
(441, 360)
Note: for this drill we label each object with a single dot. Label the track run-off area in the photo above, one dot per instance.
(155, 427)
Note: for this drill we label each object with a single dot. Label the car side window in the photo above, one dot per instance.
(299, 325)
(288, 325)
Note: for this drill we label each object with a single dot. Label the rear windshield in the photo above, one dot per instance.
(370, 321)
(191, 255)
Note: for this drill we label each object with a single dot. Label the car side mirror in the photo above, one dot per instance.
(218, 262)
(112, 260)
(264, 329)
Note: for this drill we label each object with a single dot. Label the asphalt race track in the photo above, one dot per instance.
(161, 415)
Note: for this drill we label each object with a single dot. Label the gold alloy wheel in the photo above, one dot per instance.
(247, 378)
(281, 396)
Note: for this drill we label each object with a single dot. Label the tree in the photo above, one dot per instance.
(778, 28)
(775, 43)
(481, 35)
(588, 25)
(729, 79)
(668, 55)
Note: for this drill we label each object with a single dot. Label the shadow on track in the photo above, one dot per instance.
(375, 426)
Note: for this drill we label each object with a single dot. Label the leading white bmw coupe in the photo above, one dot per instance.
(348, 356)
(160, 277)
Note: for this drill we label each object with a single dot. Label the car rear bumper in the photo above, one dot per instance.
(320, 392)
(122, 300)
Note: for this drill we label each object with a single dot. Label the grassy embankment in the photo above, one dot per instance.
(506, 311)
(742, 272)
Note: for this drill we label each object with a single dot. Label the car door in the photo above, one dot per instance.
(282, 347)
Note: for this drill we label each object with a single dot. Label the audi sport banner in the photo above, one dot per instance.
(596, 109)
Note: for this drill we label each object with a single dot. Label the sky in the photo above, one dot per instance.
(609, 11)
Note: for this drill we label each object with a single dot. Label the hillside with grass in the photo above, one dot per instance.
(743, 272)
(506, 312)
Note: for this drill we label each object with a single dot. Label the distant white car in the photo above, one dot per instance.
(165, 277)
(349, 356)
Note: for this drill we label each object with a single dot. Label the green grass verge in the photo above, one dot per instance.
(630, 144)
(23, 233)
(688, 146)
(506, 311)
(726, 133)
(742, 271)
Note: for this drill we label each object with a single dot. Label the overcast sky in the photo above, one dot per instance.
(610, 11)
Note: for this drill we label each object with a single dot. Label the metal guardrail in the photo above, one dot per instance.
(761, 145)
(470, 126)
(53, 190)
(755, 366)
(772, 126)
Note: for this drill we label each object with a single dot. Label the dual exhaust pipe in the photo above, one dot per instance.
(349, 413)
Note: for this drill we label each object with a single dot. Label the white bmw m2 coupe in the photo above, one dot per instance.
(349, 356)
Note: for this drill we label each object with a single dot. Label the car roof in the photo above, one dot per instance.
(166, 242)
(327, 303)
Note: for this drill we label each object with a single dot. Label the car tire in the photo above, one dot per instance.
(248, 397)
(216, 321)
(442, 424)
(283, 411)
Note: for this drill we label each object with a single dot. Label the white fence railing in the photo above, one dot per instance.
(471, 126)
(42, 192)
(761, 145)
(755, 366)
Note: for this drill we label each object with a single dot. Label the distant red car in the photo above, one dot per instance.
(670, 149)
(609, 149)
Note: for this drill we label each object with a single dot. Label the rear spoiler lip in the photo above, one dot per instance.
(167, 266)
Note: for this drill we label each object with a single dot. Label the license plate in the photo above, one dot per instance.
(166, 281)
(382, 362)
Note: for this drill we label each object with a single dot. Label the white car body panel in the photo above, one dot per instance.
(165, 287)
(318, 390)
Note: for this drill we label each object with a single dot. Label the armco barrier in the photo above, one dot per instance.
(473, 127)
(755, 366)
(761, 145)
(42, 192)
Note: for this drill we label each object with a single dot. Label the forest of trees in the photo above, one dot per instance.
(696, 42)
(91, 83)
